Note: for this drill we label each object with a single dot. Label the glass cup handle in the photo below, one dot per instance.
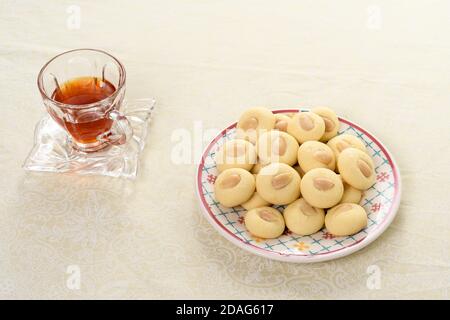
(120, 132)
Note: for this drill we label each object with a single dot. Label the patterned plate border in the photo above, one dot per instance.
(301, 257)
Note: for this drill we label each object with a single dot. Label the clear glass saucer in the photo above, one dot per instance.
(53, 151)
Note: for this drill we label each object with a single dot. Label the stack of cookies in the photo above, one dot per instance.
(298, 161)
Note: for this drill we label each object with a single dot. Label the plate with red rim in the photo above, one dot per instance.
(381, 203)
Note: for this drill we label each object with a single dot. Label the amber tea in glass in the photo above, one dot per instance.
(83, 91)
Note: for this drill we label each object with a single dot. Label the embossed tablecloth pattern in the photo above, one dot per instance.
(382, 64)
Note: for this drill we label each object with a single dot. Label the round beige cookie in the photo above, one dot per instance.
(306, 126)
(234, 186)
(315, 154)
(356, 168)
(344, 141)
(278, 183)
(255, 202)
(253, 122)
(322, 188)
(331, 122)
(236, 153)
(277, 146)
(345, 219)
(351, 194)
(281, 122)
(264, 222)
(302, 218)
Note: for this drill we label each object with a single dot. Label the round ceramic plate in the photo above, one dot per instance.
(381, 202)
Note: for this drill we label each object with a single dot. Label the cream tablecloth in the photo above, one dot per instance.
(384, 64)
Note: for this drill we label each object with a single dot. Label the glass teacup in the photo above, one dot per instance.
(83, 91)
